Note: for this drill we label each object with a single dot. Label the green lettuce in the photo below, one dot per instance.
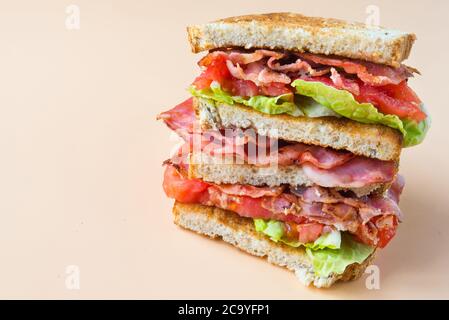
(313, 109)
(331, 240)
(275, 230)
(328, 261)
(270, 105)
(343, 103)
(330, 254)
(272, 228)
(415, 132)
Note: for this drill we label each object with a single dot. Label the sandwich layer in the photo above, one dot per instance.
(369, 140)
(296, 32)
(311, 211)
(221, 171)
(240, 232)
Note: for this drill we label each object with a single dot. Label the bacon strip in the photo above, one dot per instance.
(180, 118)
(369, 73)
(357, 173)
(250, 191)
(257, 73)
(299, 66)
(343, 83)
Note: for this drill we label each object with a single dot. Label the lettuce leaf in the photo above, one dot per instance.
(328, 261)
(275, 230)
(415, 132)
(272, 228)
(269, 105)
(313, 109)
(330, 253)
(343, 103)
(331, 240)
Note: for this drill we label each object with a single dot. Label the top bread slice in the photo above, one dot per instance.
(296, 32)
(369, 140)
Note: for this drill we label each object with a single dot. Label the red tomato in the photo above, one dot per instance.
(216, 71)
(250, 207)
(182, 189)
(385, 234)
(402, 92)
(399, 100)
(309, 232)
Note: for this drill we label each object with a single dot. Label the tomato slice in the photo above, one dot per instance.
(182, 189)
(398, 99)
(249, 207)
(216, 70)
(386, 233)
(309, 232)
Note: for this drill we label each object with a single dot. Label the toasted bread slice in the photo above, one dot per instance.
(295, 32)
(225, 171)
(369, 140)
(240, 232)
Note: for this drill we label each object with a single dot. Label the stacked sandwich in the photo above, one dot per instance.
(292, 140)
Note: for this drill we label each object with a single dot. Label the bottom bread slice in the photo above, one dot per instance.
(240, 232)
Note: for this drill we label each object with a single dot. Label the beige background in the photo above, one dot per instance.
(81, 154)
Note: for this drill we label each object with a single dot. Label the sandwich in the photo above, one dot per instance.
(292, 140)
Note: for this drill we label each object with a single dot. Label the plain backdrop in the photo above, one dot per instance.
(81, 154)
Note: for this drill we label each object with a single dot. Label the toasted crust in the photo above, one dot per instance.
(226, 171)
(240, 232)
(296, 32)
(369, 140)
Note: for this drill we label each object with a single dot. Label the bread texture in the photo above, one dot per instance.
(296, 32)
(369, 140)
(240, 232)
(226, 171)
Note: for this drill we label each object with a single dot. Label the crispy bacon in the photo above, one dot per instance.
(180, 119)
(250, 191)
(299, 153)
(299, 66)
(257, 73)
(369, 73)
(343, 83)
(356, 173)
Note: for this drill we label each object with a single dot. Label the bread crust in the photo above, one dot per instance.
(369, 140)
(240, 232)
(296, 32)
